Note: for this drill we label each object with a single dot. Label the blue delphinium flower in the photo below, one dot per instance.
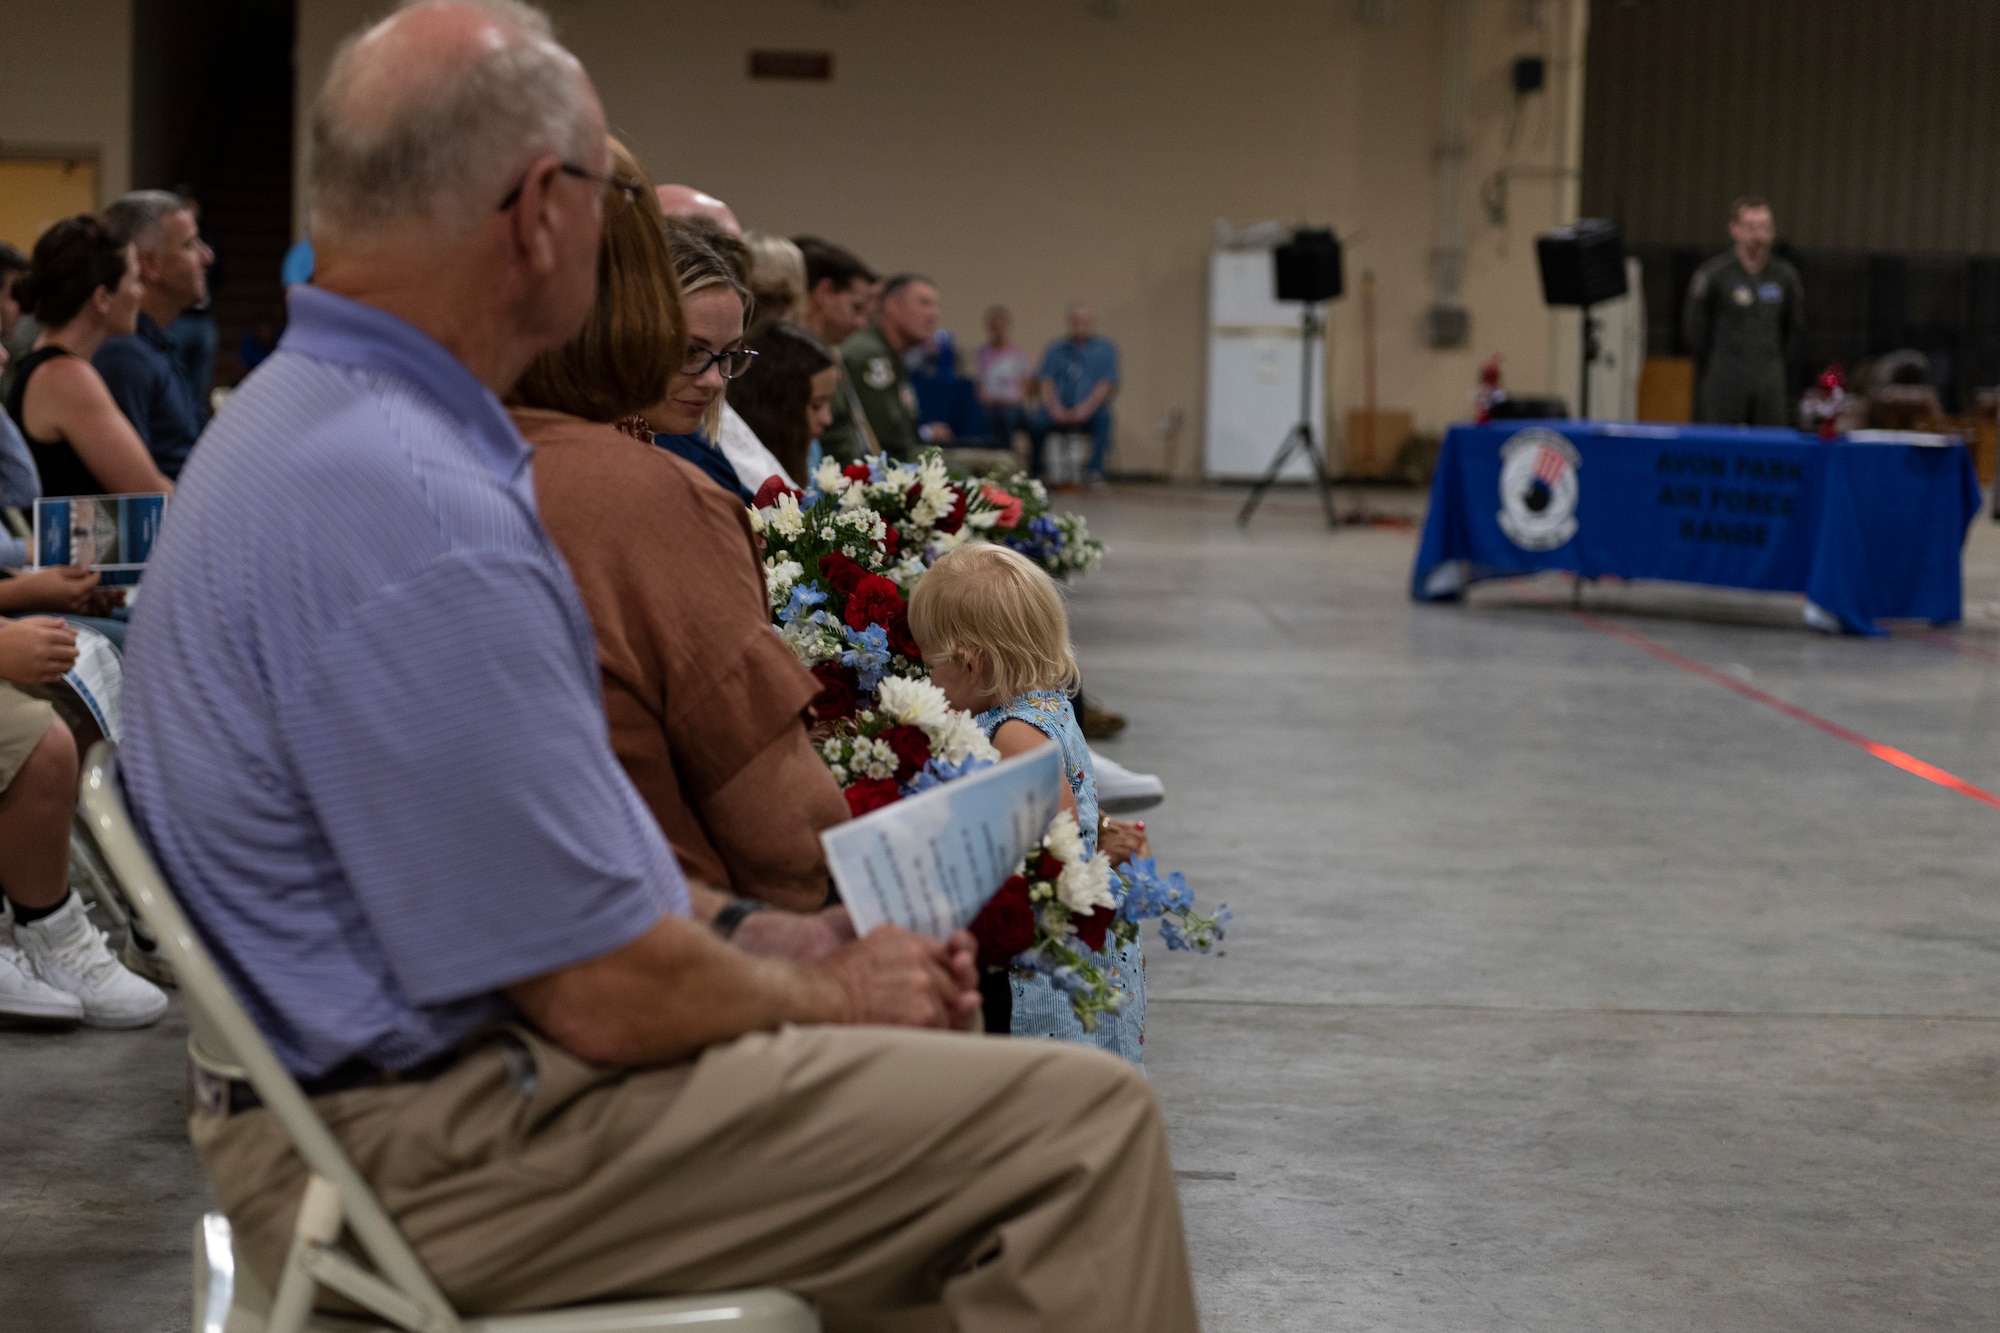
(804, 599)
(940, 771)
(867, 653)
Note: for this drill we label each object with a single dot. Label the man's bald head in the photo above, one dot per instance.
(428, 115)
(684, 201)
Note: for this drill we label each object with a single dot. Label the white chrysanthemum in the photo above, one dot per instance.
(1064, 839)
(827, 534)
(854, 497)
(839, 772)
(757, 524)
(949, 541)
(875, 759)
(915, 702)
(956, 738)
(784, 517)
(829, 477)
(983, 519)
(908, 570)
(1085, 886)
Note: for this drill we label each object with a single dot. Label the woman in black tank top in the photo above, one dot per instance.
(82, 287)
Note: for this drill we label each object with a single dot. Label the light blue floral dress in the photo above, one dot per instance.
(1040, 1010)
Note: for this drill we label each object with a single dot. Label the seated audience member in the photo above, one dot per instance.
(684, 201)
(1003, 379)
(875, 368)
(144, 369)
(20, 483)
(70, 591)
(705, 703)
(840, 290)
(54, 964)
(82, 287)
(752, 462)
(777, 281)
(713, 300)
(448, 909)
(194, 333)
(788, 400)
(1079, 378)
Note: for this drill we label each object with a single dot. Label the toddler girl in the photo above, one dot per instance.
(995, 636)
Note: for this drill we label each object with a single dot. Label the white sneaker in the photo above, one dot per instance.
(71, 954)
(23, 995)
(1120, 791)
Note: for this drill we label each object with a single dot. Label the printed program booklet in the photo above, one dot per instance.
(112, 534)
(930, 861)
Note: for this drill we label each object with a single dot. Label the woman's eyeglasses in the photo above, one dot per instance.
(734, 364)
(633, 191)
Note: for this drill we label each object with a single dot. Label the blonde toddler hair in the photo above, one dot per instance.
(991, 601)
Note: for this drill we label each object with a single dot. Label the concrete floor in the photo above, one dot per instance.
(1569, 990)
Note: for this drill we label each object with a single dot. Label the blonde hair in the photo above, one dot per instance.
(991, 601)
(700, 264)
(777, 277)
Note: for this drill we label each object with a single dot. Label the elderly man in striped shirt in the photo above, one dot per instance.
(365, 743)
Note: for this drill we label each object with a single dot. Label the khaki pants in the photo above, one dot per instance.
(895, 1179)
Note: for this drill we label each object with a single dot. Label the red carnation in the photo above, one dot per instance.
(874, 601)
(767, 494)
(839, 692)
(842, 573)
(1043, 866)
(1092, 929)
(870, 794)
(912, 747)
(900, 638)
(955, 520)
(855, 472)
(1006, 925)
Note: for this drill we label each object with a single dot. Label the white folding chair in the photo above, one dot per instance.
(398, 1293)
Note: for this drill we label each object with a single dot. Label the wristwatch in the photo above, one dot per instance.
(731, 916)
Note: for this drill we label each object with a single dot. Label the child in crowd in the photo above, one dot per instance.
(995, 635)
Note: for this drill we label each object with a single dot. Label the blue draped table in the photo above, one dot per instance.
(1866, 531)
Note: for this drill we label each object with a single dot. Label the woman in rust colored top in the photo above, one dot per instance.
(705, 702)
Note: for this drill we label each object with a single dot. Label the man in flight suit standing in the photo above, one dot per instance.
(1743, 308)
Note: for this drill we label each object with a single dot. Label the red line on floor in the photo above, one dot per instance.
(1888, 754)
(1955, 645)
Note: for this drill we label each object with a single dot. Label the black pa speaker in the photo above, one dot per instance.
(1307, 267)
(1582, 264)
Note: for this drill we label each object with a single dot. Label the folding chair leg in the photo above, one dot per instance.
(318, 1224)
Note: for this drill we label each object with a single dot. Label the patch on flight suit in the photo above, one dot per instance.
(1770, 293)
(879, 374)
(1741, 295)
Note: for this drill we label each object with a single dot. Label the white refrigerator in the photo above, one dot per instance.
(1253, 371)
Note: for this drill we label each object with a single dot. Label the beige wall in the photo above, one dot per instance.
(1030, 153)
(66, 82)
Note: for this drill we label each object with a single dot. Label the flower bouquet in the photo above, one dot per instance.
(1022, 519)
(839, 560)
(1061, 905)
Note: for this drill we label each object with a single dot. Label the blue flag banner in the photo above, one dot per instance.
(1866, 530)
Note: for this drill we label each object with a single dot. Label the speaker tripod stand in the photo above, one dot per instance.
(1303, 438)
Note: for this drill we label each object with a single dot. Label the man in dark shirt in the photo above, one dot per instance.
(1743, 308)
(144, 370)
